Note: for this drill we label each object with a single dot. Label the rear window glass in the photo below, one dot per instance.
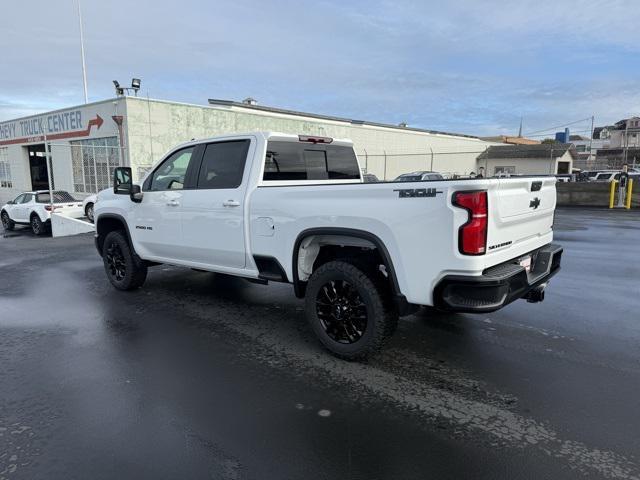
(304, 161)
(57, 197)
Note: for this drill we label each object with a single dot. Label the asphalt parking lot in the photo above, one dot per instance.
(204, 376)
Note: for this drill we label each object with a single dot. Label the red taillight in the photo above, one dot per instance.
(48, 208)
(472, 239)
(310, 139)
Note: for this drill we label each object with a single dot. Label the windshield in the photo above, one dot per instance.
(409, 178)
(58, 197)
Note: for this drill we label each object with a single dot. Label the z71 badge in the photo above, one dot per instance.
(417, 192)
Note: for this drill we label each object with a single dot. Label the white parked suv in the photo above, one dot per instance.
(34, 209)
(287, 208)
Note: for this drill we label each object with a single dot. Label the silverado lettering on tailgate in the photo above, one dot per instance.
(417, 192)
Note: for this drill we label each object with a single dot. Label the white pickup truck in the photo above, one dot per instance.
(286, 208)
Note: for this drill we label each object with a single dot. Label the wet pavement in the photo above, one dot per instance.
(205, 376)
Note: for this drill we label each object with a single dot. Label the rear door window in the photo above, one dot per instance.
(302, 161)
(223, 164)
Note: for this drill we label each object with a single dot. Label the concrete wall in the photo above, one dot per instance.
(155, 126)
(590, 194)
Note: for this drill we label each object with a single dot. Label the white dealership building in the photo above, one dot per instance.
(87, 142)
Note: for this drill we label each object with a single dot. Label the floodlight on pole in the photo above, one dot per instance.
(119, 89)
(135, 86)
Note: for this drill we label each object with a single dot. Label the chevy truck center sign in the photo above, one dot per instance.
(55, 126)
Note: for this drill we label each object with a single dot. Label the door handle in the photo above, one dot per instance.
(173, 203)
(231, 203)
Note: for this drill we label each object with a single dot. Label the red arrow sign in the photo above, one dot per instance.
(98, 121)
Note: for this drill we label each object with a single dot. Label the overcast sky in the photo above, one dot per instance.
(464, 66)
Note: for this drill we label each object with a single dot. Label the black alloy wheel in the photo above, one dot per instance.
(349, 308)
(341, 311)
(124, 269)
(117, 266)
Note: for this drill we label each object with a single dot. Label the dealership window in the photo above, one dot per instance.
(93, 163)
(5, 169)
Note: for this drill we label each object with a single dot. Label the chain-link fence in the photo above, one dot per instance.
(611, 159)
(389, 165)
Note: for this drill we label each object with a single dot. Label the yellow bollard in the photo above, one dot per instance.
(612, 192)
(629, 191)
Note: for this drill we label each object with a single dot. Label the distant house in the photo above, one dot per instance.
(543, 159)
(623, 143)
(603, 133)
(585, 149)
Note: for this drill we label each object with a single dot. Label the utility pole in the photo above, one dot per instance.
(591, 140)
(84, 68)
(626, 140)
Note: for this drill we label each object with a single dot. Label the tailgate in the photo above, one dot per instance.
(521, 213)
(69, 208)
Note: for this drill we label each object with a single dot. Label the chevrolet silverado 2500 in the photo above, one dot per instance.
(287, 208)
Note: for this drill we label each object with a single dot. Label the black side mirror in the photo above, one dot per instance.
(122, 181)
(136, 193)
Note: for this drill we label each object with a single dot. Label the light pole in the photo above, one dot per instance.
(84, 68)
(48, 159)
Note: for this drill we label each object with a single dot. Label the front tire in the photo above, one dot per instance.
(349, 309)
(88, 211)
(37, 226)
(124, 269)
(7, 223)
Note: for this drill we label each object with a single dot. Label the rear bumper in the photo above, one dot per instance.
(497, 286)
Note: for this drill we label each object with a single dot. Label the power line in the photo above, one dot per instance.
(559, 126)
(547, 134)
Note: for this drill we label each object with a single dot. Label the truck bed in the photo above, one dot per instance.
(416, 222)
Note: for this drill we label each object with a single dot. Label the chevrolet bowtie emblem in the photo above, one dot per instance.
(535, 203)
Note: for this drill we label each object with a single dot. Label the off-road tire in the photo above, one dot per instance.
(374, 293)
(38, 227)
(124, 269)
(7, 223)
